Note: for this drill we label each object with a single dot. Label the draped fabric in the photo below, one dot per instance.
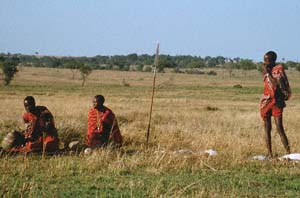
(39, 129)
(102, 128)
(275, 93)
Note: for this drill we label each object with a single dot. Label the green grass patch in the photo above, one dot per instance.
(68, 176)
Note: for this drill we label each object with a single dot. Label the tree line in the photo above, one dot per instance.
(130, 62)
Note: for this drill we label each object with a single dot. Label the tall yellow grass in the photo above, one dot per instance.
(191, 112)
(182, 116)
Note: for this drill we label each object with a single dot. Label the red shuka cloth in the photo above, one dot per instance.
(268, 99)
(102, 127)
(36, 128)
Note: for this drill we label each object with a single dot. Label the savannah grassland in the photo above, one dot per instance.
(194, 112)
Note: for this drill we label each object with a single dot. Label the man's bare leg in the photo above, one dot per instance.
(280, 130)
(268, 128)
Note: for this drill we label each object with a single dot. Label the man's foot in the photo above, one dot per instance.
(288, 150)
(87, 151)
(269, 156)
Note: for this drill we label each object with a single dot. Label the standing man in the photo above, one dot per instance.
(40, 132)
(276, 91)
(102, 125)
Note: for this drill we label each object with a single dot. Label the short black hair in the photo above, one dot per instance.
(30, 99)
(272, 55)
(100, 98)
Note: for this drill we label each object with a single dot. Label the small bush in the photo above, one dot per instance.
(147, 68)
(177, 70)
(124, 83)
(237, 86)
(194, 71)
(209, 108)
(139, 67)
(211, 73)
(9, 69)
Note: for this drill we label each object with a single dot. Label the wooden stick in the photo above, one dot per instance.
(111, 134)
(44, 146)
(153, 90)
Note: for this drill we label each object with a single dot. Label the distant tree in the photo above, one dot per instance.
(210, 61)
(229, 66)
(246, 64)
(298, 67)
(285, 66)
(162, 63)
(147, 68)
(102, 59)
(9, 69)
(85, 70)
(146, 59)
(291, 64)
(2, 59)
(196, 64)
(49, 61)
(258, 66)
(108, 66)
(73, 66)
(119, 61)
(126, 67)
(139, 67)
(183, 61)
(165, 62)
(237, 59)
(132, 58)
(220, 60)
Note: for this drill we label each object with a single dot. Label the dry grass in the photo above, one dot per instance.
(190, 112)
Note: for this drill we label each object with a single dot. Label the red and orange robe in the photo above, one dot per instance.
(275, 94)
(102, 128)
(40, 130)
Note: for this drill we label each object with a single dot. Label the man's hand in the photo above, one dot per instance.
(265, 68)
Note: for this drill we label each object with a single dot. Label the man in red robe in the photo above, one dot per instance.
(40, 132)
(276, 91)
(102, 125)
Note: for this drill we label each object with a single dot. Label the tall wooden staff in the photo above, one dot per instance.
(153, 90)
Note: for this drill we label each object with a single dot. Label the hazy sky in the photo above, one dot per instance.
(231, 28)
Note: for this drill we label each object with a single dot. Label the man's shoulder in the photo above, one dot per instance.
(278, 67)
(92, 110)
(108, 109)
(105, 111)
(27, 115)
(41, 107)
(43, 111)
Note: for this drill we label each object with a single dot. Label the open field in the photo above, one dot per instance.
(194, 112)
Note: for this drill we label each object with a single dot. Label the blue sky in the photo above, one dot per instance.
(231, 28)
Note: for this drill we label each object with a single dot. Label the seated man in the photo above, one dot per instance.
(40, 132)
(102, 125)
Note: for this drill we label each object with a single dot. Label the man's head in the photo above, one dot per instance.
(29, 103)
(98, 101)
(270, 58)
